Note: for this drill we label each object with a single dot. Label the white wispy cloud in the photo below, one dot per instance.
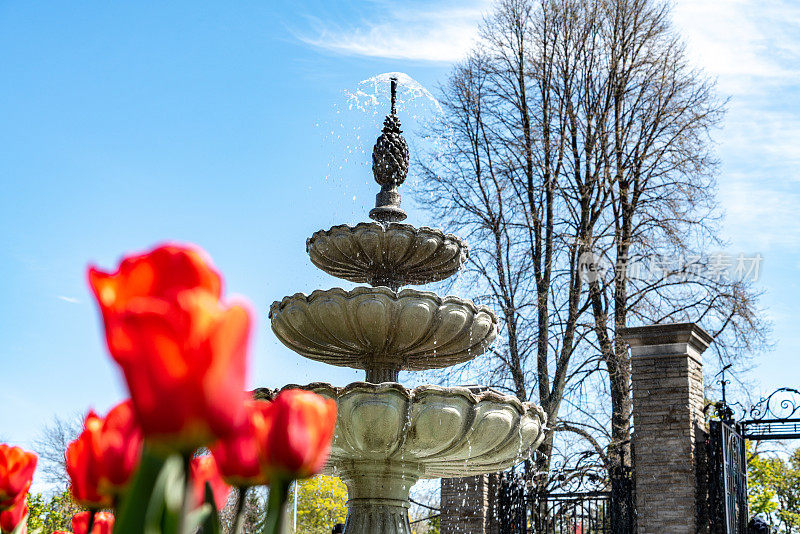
(441, 31)
(752, 48)
(71, 300)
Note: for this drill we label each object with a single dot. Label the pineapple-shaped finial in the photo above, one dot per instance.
(390, 166)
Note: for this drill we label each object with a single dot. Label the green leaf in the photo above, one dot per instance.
(164, 504)
(133, 509)
(278, 491)
(197, 518)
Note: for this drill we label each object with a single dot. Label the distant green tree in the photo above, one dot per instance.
(320, 504)
(773, 486)
(47, 514)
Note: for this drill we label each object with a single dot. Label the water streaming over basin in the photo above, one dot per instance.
(357, 117)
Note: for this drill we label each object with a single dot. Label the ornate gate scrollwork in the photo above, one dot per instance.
(776, 416)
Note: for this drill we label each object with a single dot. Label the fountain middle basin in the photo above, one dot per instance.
(382, 330)
(388, 437)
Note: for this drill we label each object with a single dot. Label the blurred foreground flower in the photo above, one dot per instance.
(182, 350)
(102, 459)
(11, 518)
(16, 472)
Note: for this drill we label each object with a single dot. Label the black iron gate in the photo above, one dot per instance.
(588, 512)
(728, 480)
(774, 417)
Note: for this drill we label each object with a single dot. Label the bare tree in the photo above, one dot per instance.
(51, 445)
(661, 203)
(576, 129)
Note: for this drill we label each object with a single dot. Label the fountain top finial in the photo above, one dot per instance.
(390, 165)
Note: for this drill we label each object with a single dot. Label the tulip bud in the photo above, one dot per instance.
(299, 440)
(204, 470)
(102, 459)
(241, 457)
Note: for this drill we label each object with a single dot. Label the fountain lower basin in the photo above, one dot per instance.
(388, 437)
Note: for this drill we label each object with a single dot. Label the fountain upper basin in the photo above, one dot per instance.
(391, 254)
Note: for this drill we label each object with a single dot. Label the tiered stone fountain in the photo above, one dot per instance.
(387, 436)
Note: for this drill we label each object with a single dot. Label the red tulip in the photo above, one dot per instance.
(102, 460)
(241, 457)
(16, 472)
(82, 468)
(9, 519)
(103, 523)
(182, 350)
(204, 469)
(299, 440)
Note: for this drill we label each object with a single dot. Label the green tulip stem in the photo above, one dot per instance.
(240, 505)
(186, 505)
(278, 492)
(90, 525)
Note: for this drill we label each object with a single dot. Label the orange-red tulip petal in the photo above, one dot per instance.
(119, 449)
(82, 468)
(16, 472)
(204, 469)
(103, 523)
(159, 273)
(299, 440)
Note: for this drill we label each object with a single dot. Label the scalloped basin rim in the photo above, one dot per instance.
(421, 229)
(426, 432)
(364, 290)
(391, 254)
(419, 391)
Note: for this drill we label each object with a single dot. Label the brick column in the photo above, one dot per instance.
(667, 383)
(468, 505)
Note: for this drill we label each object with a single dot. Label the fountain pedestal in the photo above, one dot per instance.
(377, 497)
(388, 437)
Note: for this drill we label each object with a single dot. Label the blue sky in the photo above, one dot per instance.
(126, 124)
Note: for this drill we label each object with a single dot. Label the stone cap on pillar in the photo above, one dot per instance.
(667, 340)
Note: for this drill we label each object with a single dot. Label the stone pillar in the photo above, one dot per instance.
(667, 383)
(468, 505)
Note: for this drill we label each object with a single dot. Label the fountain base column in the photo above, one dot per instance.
(378, 497)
